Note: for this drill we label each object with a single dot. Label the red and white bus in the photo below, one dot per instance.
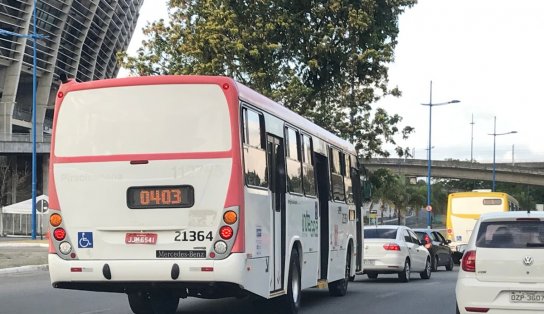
(166, 187)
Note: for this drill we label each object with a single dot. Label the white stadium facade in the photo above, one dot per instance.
(80, 39)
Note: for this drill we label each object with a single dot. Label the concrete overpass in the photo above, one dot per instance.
(523, 173)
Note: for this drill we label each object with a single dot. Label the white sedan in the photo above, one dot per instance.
(502, 270)
(394, 249)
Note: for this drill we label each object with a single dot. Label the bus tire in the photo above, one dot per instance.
(140, 303)
(290, 303)
(339, 288)
(164, 302)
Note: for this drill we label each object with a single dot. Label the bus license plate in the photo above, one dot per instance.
(141, 238)
(527, 297)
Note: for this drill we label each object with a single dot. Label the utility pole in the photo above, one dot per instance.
(472, 139)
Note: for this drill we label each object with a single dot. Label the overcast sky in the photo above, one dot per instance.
(489, 54)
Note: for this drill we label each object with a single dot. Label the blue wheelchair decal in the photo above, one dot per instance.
(85, 240)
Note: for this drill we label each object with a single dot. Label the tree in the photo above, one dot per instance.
(326, 60)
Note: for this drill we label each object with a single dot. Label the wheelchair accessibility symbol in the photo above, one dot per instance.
(85, 240)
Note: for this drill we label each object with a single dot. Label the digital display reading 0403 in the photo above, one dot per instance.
(160, 196)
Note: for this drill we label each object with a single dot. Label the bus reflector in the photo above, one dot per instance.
(206, 269)
(59, 234)
(226, 86)
(76, 269)
(55, 220)
(230, 217)
(60, 95)
(226, 232)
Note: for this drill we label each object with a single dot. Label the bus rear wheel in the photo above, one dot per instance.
(290, 303)
(140, 303)
(156, 302)
(339, 288)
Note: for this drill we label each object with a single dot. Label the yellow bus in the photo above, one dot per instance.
(464, 209)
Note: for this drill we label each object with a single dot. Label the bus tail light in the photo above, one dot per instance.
(59, 234)
(65, 248)
(220, 247)
(55, 220)
(468, 263)
(226, 232)
(230, 217)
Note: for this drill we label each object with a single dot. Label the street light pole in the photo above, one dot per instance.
(430, 104)
(472, 138)
(495, 134)
(34, 36)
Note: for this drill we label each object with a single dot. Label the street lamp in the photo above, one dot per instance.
(495, 134)
(430, 104)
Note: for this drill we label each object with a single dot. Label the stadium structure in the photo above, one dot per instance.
(79, 38)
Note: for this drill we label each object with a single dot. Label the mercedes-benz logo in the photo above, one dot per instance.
(528, 261)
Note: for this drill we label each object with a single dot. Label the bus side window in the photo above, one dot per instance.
(293, 160)
(308, 175)
(254, 153)
(347, 179)
(337, 180)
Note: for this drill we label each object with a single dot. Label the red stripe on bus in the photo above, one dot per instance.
(149, 157)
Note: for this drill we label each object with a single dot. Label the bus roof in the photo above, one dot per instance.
(479, 194)
(245, 93)
(280, 111)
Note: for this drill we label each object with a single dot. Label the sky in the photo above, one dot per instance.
(488, 54)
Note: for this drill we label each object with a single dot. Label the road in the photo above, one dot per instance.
(31, 292)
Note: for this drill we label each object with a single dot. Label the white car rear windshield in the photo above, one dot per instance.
(380, 233)
(147, 119)
(520, 234)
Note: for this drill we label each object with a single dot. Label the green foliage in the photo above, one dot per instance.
(326, 60)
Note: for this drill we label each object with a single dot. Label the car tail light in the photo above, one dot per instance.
(469, 261)
(59, 234)
(391, 247)
(226, 232)
(427, 241)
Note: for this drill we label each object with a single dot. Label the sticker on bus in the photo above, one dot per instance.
(85, 240)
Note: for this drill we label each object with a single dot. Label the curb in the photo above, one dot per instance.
(22, 269)
(23, 244)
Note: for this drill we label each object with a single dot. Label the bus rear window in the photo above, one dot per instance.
(148, 119)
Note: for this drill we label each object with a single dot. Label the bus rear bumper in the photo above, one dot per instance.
(134, 275)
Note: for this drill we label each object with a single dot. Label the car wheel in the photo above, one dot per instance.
(449, 266)
(426, 274)
(290, 303)
(404, 275)
(372, 275)
(434, 264)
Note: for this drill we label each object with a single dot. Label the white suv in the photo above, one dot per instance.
(502, 270)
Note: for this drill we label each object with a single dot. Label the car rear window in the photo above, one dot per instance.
(520, 234)
(380, 233)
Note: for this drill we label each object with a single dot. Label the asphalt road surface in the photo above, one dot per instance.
(26, 293)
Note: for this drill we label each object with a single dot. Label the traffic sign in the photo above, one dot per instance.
(42, 206)
(429, 208)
